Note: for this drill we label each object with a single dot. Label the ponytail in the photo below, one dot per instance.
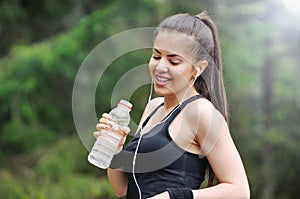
(214, 76)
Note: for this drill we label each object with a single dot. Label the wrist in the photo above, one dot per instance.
(119, 149)
(177, 193)
(121, 144)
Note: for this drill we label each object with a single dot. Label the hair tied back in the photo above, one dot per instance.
(197, 17)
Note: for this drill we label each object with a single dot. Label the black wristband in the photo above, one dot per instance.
(180, 193)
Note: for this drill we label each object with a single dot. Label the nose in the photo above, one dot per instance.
(162, 68)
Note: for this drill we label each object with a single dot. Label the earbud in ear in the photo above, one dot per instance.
(197, 74)
(198, 71)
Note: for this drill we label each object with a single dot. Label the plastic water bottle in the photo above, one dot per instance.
(107, 144)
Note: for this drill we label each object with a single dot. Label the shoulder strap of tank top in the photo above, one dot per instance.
(175, 111)
(191, 99)
(169, 118)
(151, 114)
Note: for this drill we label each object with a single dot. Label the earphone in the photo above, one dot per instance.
(138, 145)
(198, 73)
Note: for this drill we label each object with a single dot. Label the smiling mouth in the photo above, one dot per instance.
(162, 80)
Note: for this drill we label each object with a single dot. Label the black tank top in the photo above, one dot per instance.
(160, 162)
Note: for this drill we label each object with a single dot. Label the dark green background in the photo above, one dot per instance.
(43, 43)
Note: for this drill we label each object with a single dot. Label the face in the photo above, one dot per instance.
(171, 64)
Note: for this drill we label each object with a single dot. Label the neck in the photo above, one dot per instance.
(173, 100)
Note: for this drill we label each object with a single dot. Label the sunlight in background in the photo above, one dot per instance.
(293, 6)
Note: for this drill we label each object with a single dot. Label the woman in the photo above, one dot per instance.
(184, 132)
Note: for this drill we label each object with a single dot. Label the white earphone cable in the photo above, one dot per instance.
(137, 147)
(133, 166)
(140, 139)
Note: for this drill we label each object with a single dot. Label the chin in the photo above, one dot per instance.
(162, 92)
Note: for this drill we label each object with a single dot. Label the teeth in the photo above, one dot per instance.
(162, 79)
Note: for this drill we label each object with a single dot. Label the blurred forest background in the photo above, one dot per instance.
(43, 43)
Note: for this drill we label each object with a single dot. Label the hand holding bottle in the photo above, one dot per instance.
(111, 134)
(106, 124)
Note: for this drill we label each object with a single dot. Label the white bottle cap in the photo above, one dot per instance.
(126, 104)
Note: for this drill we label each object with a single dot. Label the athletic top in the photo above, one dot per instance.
(160, 162)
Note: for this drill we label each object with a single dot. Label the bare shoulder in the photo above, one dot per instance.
(200, 110)
(203, 116)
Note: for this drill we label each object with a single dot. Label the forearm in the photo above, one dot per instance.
(223, 191)
(118, 181)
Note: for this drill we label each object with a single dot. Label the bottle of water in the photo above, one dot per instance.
(107, 143)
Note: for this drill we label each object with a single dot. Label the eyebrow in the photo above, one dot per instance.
(169, 55)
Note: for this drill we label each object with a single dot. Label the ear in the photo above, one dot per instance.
(201, 66)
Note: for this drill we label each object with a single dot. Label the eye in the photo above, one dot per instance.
(174, 62)
(156, 57)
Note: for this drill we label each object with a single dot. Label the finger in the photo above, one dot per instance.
(97, 134)
(101, 127)
(123, 130)
(106, 116)
(106, 122)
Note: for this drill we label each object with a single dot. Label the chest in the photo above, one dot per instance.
(178, 129)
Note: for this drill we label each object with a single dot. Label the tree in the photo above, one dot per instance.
(26, 22)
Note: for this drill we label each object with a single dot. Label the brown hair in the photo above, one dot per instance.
(210, 83)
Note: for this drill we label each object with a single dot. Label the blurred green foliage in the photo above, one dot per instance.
(57, 171)
(41, 155)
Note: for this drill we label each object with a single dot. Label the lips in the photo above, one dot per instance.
(162, 80)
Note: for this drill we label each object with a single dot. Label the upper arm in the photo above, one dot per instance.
(217, 144)
(225, 159)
